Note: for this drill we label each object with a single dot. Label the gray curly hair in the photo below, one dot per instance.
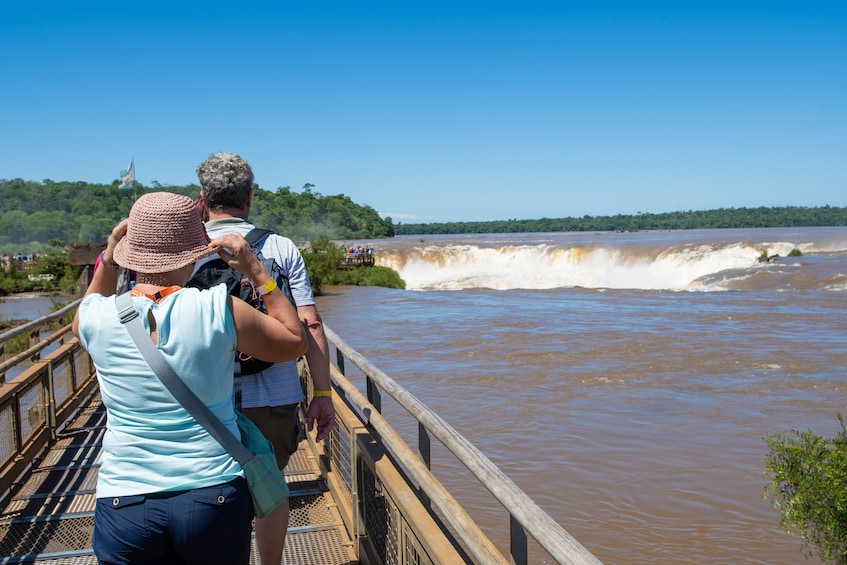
(226, 180)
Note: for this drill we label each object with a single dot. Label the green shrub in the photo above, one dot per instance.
(322, 260)
(17, 344)
(370, 276)
(50, 271)
(809, 487)
(64, 319)
(14, 283)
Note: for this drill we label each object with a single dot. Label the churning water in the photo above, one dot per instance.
(624, 381)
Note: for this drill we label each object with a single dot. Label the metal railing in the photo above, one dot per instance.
(39, 401)
(388, 522)
(37, 344)
(389, 498)
(526, 517)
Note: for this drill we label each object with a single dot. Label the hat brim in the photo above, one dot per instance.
(145, 262)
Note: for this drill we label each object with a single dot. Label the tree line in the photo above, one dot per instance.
(762, 217)
(81, 212)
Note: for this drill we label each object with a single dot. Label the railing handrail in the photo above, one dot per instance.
(33, 406)
(34, 350)
(475, 539)
(550, 535)
(28, 326)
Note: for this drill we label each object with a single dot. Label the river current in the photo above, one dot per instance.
(624, 381)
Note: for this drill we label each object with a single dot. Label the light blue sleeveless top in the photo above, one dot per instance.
(152, 444)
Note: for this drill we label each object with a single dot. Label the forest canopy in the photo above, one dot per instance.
(762, 217)
(82, 212)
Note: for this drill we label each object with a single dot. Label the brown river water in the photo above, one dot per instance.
(625, 382)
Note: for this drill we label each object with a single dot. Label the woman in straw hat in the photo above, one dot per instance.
(167, 492)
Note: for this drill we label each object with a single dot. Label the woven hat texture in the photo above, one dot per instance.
(164, 233)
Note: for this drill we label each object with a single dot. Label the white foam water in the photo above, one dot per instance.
(620, 261)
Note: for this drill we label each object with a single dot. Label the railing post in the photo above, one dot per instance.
(356, 502)
(425, 452)
(50, 409)
(17, 421)
(517, 542)
(75, 380)
(374, 394)
(339, 360)
(33, 339)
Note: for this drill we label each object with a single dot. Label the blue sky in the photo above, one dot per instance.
(440, 111)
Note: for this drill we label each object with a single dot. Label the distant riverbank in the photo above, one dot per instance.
(24, 306)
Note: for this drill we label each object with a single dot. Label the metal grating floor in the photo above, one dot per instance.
(48, 518)
(48, 537)
(323, 547)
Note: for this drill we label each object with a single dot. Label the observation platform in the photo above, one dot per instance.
(357, 258)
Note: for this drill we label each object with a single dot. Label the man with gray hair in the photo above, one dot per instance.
(270, 398)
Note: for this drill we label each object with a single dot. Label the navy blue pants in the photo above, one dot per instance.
(210, 525)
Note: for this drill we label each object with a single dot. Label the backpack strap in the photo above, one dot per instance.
(256, 235)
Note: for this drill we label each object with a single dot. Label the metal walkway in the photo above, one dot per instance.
(49, 517)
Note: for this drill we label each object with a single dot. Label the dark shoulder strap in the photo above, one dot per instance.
(256, 235)
(184, 395)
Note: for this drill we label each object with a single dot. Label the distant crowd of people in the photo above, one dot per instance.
(7, 260)
(359, 256)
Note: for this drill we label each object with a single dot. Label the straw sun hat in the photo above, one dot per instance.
(164, 233)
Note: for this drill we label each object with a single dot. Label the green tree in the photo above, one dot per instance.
(12, 223)
(14, 279)
(54, 262)
(809, 487)
(322, 259)
(787, 216)
(85, 213)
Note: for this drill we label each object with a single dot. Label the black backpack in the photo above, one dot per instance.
(217, 271)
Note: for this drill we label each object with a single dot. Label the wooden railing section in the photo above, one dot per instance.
(526, 517)
(43, 397)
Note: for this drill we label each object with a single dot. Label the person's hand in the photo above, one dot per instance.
(118, 233)
(322, 412)
(236, 252)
